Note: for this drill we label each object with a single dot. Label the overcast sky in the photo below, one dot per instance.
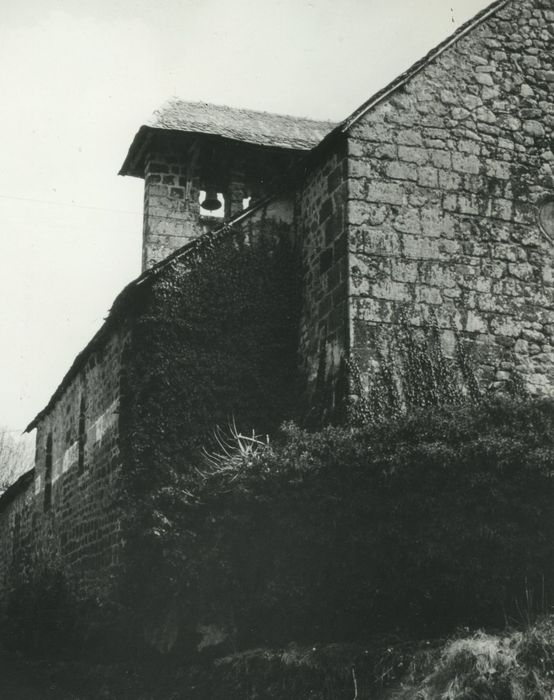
(78, 79)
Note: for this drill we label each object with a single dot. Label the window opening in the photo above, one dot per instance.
(212, 204)
(16, 535)
(82, 435)
(48, 474)
(246, 202)
(325, 260)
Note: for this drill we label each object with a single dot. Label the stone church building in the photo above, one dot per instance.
(274, 248)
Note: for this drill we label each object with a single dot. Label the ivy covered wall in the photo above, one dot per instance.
(215, 340)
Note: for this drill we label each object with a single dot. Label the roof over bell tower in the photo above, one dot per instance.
(246, 126)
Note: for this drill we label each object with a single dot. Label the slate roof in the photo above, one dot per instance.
(261, 128)
(248, 126)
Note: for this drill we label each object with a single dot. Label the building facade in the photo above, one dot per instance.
(275, 249)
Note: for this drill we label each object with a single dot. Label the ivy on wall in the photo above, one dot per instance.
(411, 371)
(214, 341)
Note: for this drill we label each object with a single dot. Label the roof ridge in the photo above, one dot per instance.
(244, 110)
(416, 68)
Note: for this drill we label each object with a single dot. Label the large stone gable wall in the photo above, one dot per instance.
(444, 181)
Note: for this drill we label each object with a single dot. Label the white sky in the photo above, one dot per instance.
(78, 79)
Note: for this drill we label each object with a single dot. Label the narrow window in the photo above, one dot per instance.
(48, 474)
(82, 435)
(325, 260)
(16, 537)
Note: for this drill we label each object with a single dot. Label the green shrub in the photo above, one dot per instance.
(436, 519)
(516, 665)
(41, 616)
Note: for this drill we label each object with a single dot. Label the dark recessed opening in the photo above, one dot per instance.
(48, 474)
(325, 260)
(82, 435)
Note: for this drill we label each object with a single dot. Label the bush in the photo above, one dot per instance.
(511, 666)
(433, 520)
(41, 616)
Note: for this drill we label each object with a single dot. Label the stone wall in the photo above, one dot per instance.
(16, 524)
(175, 173)
(201, 343)
(446, 177)
(68, 515)
(321, 230)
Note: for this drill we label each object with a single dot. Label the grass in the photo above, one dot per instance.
(514, 666)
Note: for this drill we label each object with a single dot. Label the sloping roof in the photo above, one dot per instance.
(248, 126)
(262, 128)
(416, 68)
(13, 491)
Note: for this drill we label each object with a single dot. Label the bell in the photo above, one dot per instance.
(210, 201)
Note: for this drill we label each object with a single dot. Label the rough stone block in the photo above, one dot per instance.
(385, 192)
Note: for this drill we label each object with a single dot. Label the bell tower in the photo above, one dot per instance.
(203, 163)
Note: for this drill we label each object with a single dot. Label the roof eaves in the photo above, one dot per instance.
(78, 363)
(132, 165)
(24, 481)
(416, 68)
(135, 152)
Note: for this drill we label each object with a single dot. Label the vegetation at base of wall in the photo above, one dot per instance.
(215, 340)
(430, 509)
(516, 664)
(438, 518)
(512, 666)
(399, 523)
(355, 542)
(410, 372)
(42, 617)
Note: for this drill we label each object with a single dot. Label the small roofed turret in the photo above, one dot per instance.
(204, 163)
